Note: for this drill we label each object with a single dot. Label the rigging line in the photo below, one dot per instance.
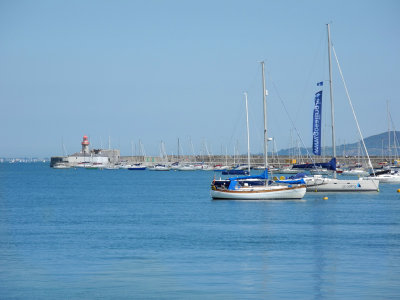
(291, 121)
(254, 124)
(238, 118)
(396, 141)
(352, 109)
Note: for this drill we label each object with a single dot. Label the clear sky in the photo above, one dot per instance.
(162, 70)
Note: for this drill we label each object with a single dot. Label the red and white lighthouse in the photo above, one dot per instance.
(85, 145)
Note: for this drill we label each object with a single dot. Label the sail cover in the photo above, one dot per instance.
(317, 116)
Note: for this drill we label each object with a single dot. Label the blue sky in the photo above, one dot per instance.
(163, 70)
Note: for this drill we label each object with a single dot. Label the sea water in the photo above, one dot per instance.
(121, 234)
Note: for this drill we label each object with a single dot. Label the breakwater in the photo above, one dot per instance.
(277, 161)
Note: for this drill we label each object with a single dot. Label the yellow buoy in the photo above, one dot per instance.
(398, 190)
(325, 198)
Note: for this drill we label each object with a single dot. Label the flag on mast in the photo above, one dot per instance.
(317, 117)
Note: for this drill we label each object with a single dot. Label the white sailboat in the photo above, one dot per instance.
(385, 176)
(256, 187)
(61, 165)
(317, 183)
(139, 166)
(355, 172)
(164, 165)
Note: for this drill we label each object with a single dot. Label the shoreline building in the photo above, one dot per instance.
(88, 156)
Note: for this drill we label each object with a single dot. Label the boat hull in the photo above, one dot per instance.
(159, 169)
(337, 185)
(385, 178)
(262, 193)
(355, 173)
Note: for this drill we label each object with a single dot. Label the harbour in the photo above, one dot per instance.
(199, 150)
(113, 156)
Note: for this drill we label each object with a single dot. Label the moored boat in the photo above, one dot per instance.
(159, 167)
(137, 167)
(256, 187)
(385, 176)
(61, 166)
(317, 183)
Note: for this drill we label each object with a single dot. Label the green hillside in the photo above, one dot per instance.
(376, 145)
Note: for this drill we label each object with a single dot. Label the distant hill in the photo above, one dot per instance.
(376, 145)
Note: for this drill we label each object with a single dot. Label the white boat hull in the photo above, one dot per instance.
(186, 168)
(289, 171)
(385, 178)
(338, 185)
(61, 166)
(261, 193)
(355, 173)
(158, 169)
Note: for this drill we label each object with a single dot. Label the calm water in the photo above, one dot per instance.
(120, 234)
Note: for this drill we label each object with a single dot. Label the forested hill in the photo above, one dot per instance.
(376, 145)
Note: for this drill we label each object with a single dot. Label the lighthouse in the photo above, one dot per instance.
(85, 145)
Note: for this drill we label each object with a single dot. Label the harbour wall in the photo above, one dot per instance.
(278, 161)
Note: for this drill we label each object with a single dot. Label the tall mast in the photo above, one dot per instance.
(331, 96)
(178, 149)
(265, 118)
(389, 150)
(248, 136)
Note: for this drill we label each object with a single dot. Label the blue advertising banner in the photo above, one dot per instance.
(317, 116)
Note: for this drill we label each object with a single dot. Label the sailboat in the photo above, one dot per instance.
(390, 174)
(385, 176)
(139, 166)
(162, 166)
(256, 187)
(318, 183)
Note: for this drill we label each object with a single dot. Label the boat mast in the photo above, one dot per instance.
(178, 150)
(248, 136)
(265, 118)
(389, 150)
(331, 97)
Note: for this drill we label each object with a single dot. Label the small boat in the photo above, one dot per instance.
(111, 167)
(321, 171)
(255, 187)
(159, 167)
(318, 183)
(385, 176)
(61, 166)
(125, 166)
(186, 168)
(137, 167)
(95, 166)
(235, 172)
(258, 167)
(288, 170)
(355, 172)
(220, 167)
(207, 168)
